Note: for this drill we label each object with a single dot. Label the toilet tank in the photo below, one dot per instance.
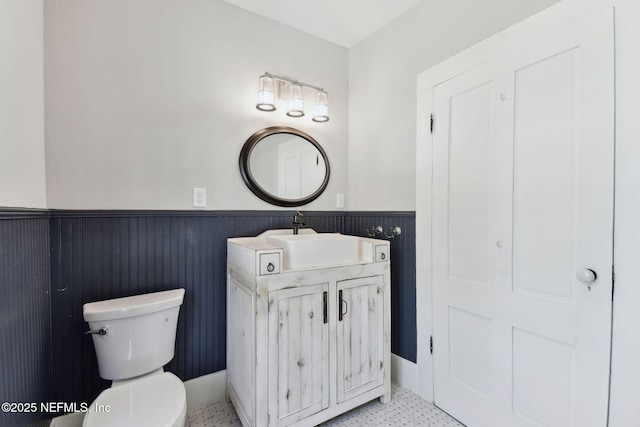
(140, 332)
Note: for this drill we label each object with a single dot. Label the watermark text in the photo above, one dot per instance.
(52, 407)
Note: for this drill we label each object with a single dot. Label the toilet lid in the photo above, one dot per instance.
(155, 401)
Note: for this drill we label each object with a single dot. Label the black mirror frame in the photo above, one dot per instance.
(253, 185)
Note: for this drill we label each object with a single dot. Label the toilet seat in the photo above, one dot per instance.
(153, 401)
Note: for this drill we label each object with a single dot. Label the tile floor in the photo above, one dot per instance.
(405, 409)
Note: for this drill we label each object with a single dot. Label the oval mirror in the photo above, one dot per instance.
(284, 166)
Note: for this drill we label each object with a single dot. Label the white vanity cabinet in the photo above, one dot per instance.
(306, 345)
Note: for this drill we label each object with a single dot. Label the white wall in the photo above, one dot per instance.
(146, 99)
(625, 366)
(22, 171)
(382, 90)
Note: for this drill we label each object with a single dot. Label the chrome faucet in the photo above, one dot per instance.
(297, 224)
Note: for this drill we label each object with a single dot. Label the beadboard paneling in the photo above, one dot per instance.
(25, 321)
(98, 255)
(403, 273)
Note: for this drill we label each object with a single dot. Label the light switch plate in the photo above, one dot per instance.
(340, 201)
(199, 197)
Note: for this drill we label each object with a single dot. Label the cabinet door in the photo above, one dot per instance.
(298, 353)
(360, 336)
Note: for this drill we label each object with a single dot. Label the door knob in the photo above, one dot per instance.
(586, 275)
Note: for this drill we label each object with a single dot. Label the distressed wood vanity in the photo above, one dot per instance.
(307, 338)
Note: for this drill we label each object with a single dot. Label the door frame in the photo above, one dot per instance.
(563, 13)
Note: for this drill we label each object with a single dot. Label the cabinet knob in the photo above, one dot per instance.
(270, 267)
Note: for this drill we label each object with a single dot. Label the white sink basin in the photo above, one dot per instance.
(303, 251)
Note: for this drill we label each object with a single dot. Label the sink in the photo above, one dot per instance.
(317, 250)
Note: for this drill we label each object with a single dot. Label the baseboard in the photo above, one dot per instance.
(206, 389)
(404, 373)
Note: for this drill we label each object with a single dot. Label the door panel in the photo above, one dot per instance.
(470, 120)
(545, 143)
(469, 338)
(542, 364)
(522, 200)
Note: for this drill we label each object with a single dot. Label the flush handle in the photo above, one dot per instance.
(101, 332)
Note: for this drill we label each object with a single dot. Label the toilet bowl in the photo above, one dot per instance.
(134, 338)
(153, 401)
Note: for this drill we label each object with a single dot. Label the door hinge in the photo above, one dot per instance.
(431, 123)
(431, 344)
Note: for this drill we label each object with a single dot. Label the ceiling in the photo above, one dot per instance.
(343, 22)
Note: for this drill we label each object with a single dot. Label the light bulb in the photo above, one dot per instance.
(321, 108)
(296, 103)
(266, 99)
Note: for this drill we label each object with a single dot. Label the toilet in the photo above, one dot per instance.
(134, 338)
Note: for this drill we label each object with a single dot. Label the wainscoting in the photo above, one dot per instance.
(403, 273)
(96, 255)
(25, 320)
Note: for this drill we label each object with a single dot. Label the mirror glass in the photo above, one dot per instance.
(284, 166)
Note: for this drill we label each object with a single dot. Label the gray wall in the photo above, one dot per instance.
(625, 374)
(22, 171)
(147, 99)
(382, 90)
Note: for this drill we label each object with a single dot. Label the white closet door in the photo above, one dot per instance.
(522, 203)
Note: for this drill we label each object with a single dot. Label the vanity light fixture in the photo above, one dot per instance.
(266, 97)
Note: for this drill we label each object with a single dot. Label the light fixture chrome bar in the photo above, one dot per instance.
(288, 80)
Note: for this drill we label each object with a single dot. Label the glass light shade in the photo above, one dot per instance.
(321, 109)
(296, 104)
(266, 98)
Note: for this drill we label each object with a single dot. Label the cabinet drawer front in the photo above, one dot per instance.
(269, 263)
(298, 353)
(360, 333)
(382, 253)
